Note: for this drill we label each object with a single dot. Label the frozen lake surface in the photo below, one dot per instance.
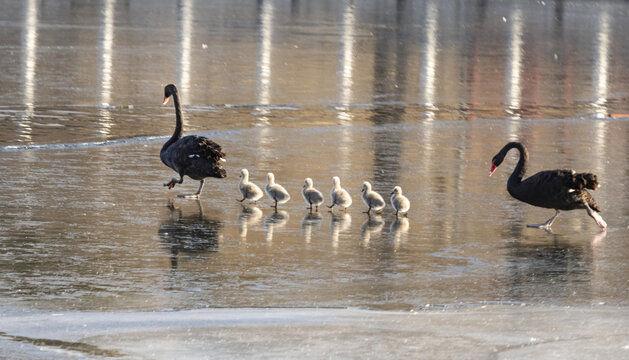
(98, 258)
(497, 331)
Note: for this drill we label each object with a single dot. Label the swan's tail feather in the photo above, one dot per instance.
(585, 180)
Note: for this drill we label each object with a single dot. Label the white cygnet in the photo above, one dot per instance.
(249, 190)
(399, 202)
(372, 199)
(312, 196)
(276, 192)
(338, 195)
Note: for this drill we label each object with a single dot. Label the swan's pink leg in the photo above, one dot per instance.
(547, 224)
(598, 218)
(195, 195)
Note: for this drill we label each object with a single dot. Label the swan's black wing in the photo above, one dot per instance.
(196, 156)
(204, 147)
(556, 189)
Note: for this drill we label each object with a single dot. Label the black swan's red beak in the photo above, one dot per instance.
(165, 100)
(493, 168)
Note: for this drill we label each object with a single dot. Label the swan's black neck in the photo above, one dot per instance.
(179, 126)
(520, 168)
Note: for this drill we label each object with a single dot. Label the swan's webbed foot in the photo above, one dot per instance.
(596, 216)
(545, 226)
(189, 196)
(196, 195)
(173, 182)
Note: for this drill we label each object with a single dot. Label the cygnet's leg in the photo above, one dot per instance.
(174, 181)
(594, 215)
(368, 210)
(195, 195)
(547, 224)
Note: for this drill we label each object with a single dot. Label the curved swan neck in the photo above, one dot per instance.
(179, 124)
(520, 168)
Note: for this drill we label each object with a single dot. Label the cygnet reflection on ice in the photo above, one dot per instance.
(275, 220)
(248, 216)
(308, 223)
(339, 223)
(399, 229)
(372, 226)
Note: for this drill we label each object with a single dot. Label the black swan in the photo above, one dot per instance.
(192, 155)
(553, 189)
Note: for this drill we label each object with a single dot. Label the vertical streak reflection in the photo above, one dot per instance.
(427, 76)
(29, 61)
(346, 63)
(513, 89)
(346, 81)
(601, 64)
(263, 73)
(265, 47)
(185, 46)
(600, 78)
(429, 58)
(105, 66)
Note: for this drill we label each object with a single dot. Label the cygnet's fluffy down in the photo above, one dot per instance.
(276, 192)
(312, 196)
(338, 195)
(399, 202)
(249, 190)
(372, 199)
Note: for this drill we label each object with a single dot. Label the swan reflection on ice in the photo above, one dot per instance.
(189, 233)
